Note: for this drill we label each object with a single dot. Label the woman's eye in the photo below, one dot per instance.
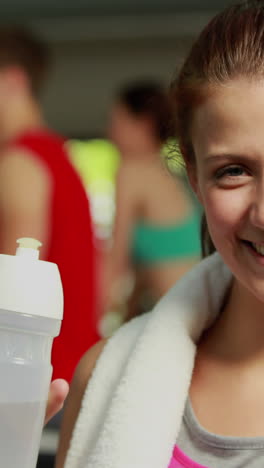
(231, 171)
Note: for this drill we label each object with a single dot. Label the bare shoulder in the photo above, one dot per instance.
(21, 174)
(73, 403)
(87, 364)
(19, 159)
(25, 185)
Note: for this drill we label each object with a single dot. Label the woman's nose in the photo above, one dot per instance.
(257, 210)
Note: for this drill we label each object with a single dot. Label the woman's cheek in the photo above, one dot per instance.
(224, 211)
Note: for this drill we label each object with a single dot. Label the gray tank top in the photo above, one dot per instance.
(215, 451)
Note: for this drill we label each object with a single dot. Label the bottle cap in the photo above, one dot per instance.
(29, 285)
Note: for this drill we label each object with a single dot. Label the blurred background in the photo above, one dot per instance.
(97, 47)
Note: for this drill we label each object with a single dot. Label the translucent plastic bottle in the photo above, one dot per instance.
(31, 308)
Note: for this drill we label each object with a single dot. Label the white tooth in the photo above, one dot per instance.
(259, 248)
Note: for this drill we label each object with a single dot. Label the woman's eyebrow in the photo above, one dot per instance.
(211, 158)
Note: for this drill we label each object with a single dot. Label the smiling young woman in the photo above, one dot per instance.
(153, 401)
(228, 140)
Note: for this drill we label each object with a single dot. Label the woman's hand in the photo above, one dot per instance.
(58, 392)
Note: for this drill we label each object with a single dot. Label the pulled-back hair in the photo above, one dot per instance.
(19, 47)
(148, 98)
(229, 47)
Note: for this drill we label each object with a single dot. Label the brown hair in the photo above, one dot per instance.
(230, 46)
(150, 99)
(21, 48)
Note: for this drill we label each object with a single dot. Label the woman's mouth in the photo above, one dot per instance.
(255, 247)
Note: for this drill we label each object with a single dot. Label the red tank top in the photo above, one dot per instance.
(71, 247)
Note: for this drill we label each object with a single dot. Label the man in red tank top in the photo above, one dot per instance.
(41, 195)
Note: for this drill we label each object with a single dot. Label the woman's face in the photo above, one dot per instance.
(228, 138)
(127, 131)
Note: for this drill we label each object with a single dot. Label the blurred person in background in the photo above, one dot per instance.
(41, 196)
(156, 231)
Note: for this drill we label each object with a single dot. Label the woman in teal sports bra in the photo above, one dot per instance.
(156, 232)
(156, 244)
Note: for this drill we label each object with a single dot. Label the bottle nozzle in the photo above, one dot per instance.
(29, 247)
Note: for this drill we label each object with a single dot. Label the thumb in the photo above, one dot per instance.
(58, 392)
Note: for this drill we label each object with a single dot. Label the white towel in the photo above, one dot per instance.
(133, 406)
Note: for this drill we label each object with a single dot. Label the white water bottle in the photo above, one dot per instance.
(31, 309)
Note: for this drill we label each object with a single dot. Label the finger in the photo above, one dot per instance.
(58, 392)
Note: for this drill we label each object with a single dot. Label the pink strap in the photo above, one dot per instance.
(180, 460)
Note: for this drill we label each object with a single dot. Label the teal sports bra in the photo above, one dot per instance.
(157, 244)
